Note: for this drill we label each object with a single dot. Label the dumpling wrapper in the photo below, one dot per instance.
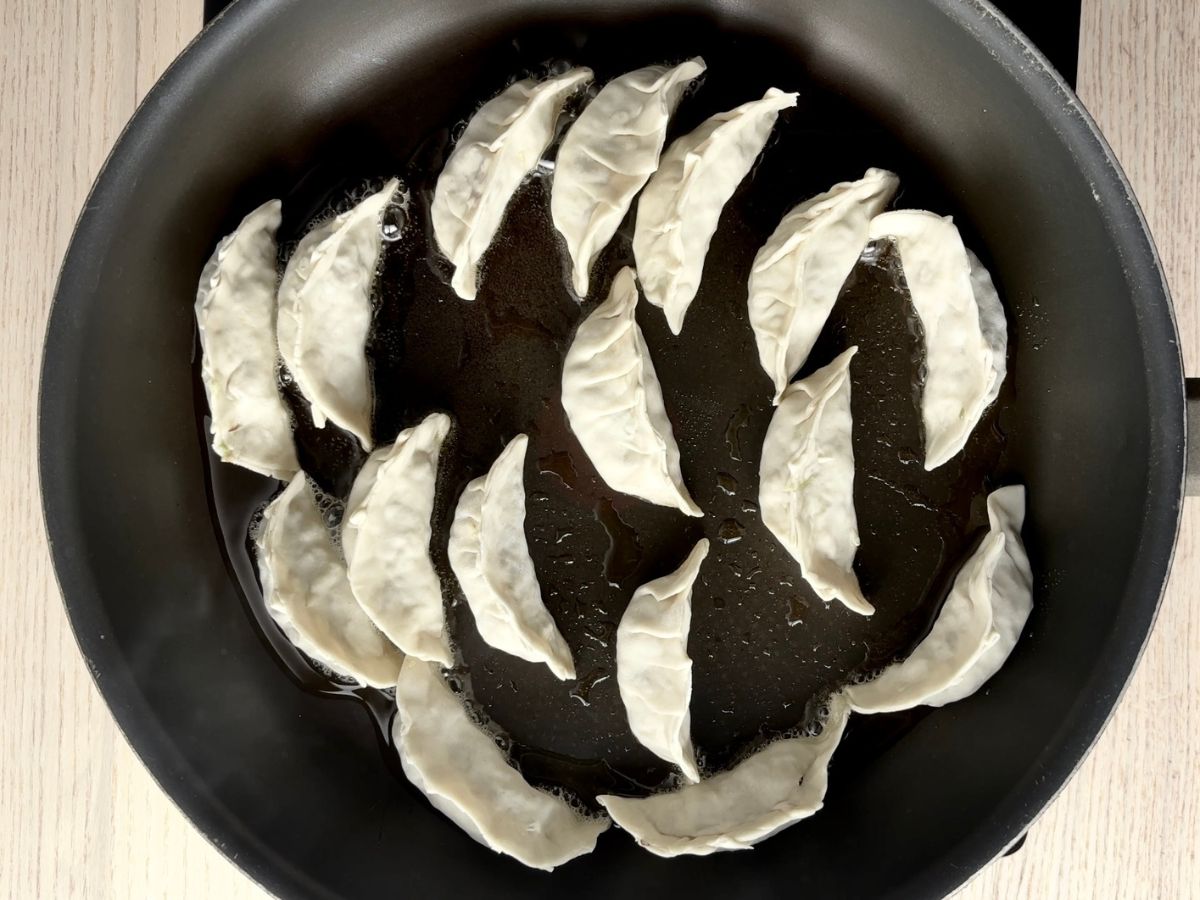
(965, 333)
(806, 482)
(385, 536)
(609, 154)
(992, 324)
(308, 594)
(490, 557)
(654, 671)
(614, 403)
(799, 272)
(457, 765)
(325, 314)
(235, 313)
(1012, 596)
(501, 144)
(733, 810)
(977, 628)
(960, 636)
(679, 210)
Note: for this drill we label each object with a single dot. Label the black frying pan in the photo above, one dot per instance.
(309, 100)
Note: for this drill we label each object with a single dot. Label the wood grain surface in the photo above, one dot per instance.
(80, 817)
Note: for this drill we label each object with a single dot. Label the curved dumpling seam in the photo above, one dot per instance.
(325, 314)
(654, 671)
(963, 323)
(1012, 596)
(386, 534)
(806, 482)
(607, 156)
(614, 403)
(235, 315)
(797, 275)
(503, 141)
(977, 627)
(490, 557)
(735, 809)
(307, 591)
(462, 772)
(681, 206)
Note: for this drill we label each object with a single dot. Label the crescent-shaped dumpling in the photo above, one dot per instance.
(977, 627)
(457, 765)
(615, 405)
(308, 594)
(679, 210)
(654, 671)
(386, 533)
(806, 482)
(235, 314)
(325, 314)
(799, 272)
(490, 557)
(735, 809)
(963, 323)
(501, 144)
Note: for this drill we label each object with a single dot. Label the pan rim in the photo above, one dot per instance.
(1076, 743)
(1148, 575)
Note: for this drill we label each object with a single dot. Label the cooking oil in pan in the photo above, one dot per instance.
(624, 551)
(765, 648)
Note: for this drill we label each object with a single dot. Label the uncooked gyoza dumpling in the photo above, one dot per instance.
(770, 790)
(501, 144)
(386, 534)
(654, 671)
(607, 156)
(806, 482)
(965, 337)
(457, 765)
(977, 627)
(678, 212)
(799, 272)
(1012, 596)
(615, 404)
(992, 324)
(490, 557)
(235, 312)
(325, 314)
(308, 594)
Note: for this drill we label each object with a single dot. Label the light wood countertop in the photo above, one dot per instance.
(80, 817)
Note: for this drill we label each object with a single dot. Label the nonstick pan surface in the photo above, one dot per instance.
(310, 101)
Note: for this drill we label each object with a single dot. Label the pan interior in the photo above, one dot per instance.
(310, 101)
(766, 649)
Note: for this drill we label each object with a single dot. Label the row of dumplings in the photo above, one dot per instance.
(319, 318)
(361, 608)
(610, 391)
(320, 602)
(356, 616)
(374, 610)
(609, 385)
(614, 149)
(784, 782)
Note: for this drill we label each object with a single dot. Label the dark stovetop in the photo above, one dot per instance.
(1051, 24)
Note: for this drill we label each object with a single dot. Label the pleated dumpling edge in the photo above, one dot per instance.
(614, 403)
